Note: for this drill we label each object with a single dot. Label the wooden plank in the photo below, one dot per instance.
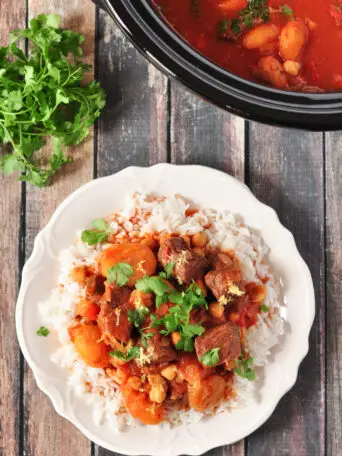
(203, 134)
(286, 172)
(44, 429)
(334, 291)
(11, 16)
(133, 130)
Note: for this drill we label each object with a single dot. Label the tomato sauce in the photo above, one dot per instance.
(202, 23)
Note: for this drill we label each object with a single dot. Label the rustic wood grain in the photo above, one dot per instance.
(133, 129)
(10, 200)
(286, 172)
(45, 431)
(202, 134)
(333, 171)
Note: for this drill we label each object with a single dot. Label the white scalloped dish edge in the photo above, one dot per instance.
(206, 188)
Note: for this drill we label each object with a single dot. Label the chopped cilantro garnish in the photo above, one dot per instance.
(98, 235)
(138, 316)
(256, 9)
(223, 27)
(235, 26)
(286, 11)
(243, 368)
(178, 316)
(264, 308)
(120, 274)
(168, 271)
(145, 337)
(131, 353)
(43, 331)
(211, 357)
(154, 285)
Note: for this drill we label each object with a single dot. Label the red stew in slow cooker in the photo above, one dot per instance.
(288, 44)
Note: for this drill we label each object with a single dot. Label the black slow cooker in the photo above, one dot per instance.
(171, 54)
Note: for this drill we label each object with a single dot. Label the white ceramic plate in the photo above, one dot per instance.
(206, 188)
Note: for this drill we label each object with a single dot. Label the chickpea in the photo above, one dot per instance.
(199, 239)
(157, 394)
(159, 388)
(79, 274)
(155, 380)
(170, 372)
(135, 383)
(257, 293)
(216, 309)
(175, 337)
(291, 67)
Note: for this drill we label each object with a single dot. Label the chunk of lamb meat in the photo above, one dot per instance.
(113, 317)
(161, 348)
(224, 283)
(226, 337)
(188, 265)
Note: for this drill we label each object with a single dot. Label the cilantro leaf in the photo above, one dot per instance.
(145, 337)
(120, 274)
(154, 285)
(264, 308)
(98, 235)
(43, 331)
(168, 270)
(243, 368)
(92, 237)
(178, 316)
(256, 9)
(191, 330)
(44, 96)
(138, 316)
(211, 357)
(100, 225)
(131, 353)
(223, 26)
(286, 11)
(9, 163)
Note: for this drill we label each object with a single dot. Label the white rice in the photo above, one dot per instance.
(227, 231)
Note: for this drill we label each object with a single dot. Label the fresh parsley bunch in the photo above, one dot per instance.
(42, 96)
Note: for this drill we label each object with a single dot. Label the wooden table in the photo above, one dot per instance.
(150, 119)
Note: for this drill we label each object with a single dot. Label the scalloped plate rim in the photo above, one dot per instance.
(28, 275)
